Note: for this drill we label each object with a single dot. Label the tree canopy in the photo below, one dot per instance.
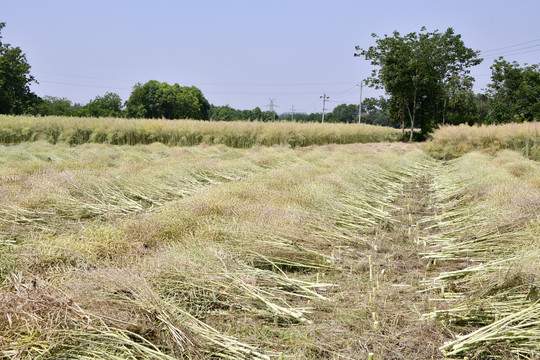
(227, 113)
(15, 78)
(161, 100)
(514, 93)
(108, 105)
(418, 69)
(52, 105)
(344, 114)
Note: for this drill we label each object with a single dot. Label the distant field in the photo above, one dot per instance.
(453, 141)
(215, 252)
(237, 134)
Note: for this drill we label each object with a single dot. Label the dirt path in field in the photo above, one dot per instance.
(397, 269)
(379, 305)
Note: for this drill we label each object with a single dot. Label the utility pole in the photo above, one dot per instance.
(271, 106)
(292, 113)
(360, 106)
(324, 98)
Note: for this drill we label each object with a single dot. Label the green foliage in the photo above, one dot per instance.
(482, 107)
(461, 107)
(227, 113)
(51, 105)
(417, 70)
(224, 113)
(108, 105)
(303, 117)
(514, 93)
(344, 114)
(15, 94)
(377, 112)
(156, 100)
(459, 103)
(256, 113)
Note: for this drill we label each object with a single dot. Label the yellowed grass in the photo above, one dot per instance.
(488, 224)
(212, 252)
(452, 141)
(238, 134)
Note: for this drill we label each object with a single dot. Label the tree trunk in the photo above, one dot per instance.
(444, 112)
(411, 115)
(412, 129)
(403, 119)
(413, 112)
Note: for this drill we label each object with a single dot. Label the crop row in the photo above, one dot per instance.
(75, 131)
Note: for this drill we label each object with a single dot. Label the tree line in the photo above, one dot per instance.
(426, 77)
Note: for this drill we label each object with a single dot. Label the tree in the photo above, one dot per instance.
(108, 105)
(268, 116)
(415, 70)
(257, 114)
(15, 78)
(481, 101)
(458, 105)
(142, 102)
(161, 100)
(461, 107)
(223, 113)
(344, 114)
(377, 112)
(51, 105)
(514, 94)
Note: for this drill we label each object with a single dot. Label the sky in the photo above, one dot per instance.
(244, 53)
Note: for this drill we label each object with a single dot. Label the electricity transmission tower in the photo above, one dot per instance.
(272, 105)
(324, 97)
(292, 113)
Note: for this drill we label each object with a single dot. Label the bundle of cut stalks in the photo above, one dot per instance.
(496, 246)
(517, 333)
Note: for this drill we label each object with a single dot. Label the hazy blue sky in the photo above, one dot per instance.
(242, 53)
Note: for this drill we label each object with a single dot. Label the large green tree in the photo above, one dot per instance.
(514, 92)
(161, 100)
(108, 105)
(344, 114)
(15, 78)
(416, 70)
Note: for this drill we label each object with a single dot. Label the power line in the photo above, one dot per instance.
(513, 50)
(343, 96)
(203, 83)
(270, 93)
(345, 91)
(83, 76)
(510, 46)
(519, 53)
(82, 85)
